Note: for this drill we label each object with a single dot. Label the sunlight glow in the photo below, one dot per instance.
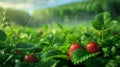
(18, 6)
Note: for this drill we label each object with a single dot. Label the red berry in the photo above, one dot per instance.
(18, 52)
(73, 48)
(30, 58)
(92, 47)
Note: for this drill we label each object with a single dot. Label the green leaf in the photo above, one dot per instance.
(103, 21)
(72, 38)
(117, 59)
(103, 18)
(113, 50)
(51, 54)
(49, 63)
(97, 25)
(111, 63)
(2, 36)
(79, 56)
(4, 57)
(8, 59)
(106, 51)
(110, 24)
(59, 25)
(23, 64)
(25, 46)
(2, 47)
(94, 62)
(99, 18)
(55, 64)
(107, 17)
(64, 48)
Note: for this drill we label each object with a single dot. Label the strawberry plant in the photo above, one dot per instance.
(61, 46)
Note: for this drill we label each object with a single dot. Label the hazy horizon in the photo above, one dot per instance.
(31, 5)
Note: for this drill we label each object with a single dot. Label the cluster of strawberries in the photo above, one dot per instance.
(91, 47)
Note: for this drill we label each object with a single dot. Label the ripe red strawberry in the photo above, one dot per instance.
(92, 47)
(30, 58)
(73, 48)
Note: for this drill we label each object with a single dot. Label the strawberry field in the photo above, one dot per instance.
(61, 45)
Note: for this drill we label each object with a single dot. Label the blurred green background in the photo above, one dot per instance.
(70, 12)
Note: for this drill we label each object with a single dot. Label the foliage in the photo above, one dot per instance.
(73, 12)
(52, 43)
(2, 36)
(103, 21)
(17, 16)
(80, 56)
(84, 10)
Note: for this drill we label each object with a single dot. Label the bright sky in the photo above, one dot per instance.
(30, 5)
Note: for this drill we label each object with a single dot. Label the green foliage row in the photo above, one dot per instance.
(84, 10)
(74, 12)
(52, 43)
(16, 16)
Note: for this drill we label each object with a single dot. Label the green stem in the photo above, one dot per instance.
(8, 59)
(103, 34)
(11, 29)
